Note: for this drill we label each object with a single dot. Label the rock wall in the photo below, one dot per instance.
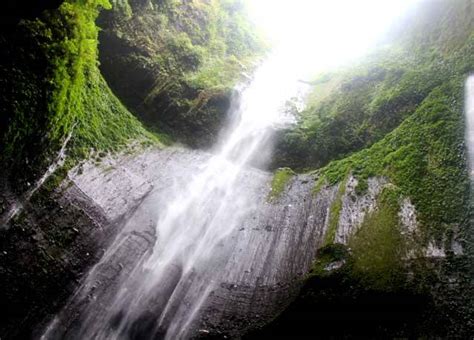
(45, 251)
(270, 253)
(174, 64)
(355, 206)
(60, 235)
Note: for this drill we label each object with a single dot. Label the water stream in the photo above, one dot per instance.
(469, 111)
(160, 292)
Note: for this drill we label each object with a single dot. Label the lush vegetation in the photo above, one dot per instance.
(398, 114)
(401, 112)
(424, 157)
(57, 91)
(51, 93)
(175, 63)
(353, 108)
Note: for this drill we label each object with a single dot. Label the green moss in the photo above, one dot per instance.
(58, 91)
(353, 108)
(362, 186)
(320, 183)
(175, 63)
(334, 213)
(377, 248)
(333, 252)
(279, 182)
(103, 123)
(424, 157)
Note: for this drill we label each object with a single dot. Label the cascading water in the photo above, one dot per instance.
(160, 292)
(469, 110)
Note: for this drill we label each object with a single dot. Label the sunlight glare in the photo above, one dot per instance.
(321, 34)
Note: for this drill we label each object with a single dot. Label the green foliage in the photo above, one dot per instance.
(103, 123)
(230, 48)
(123, 7)
(377, 248)
(424, 157)
(398, 114)
(320, 183)
(280, 180)
(353, 108)
(175, 63)
(362, 186)
(57, 91)
(70, 55)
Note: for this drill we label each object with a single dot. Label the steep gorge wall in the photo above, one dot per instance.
(175, 63)
(55, 105)
(123, 195)
(376, 274)
(55, 108)
(356, 106)
(398, 263)
(389, 222)
(367, 238)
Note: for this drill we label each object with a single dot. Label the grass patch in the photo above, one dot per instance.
(279, 182)
(320, 183)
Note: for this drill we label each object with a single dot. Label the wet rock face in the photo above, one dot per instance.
(276, 250)
(106, 214)
(43, 255)
(355, 207)
(110, 210)
(266, 257)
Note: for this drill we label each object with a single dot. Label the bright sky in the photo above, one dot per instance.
(320, 34)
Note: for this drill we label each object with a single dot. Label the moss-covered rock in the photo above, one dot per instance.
(399, 115)
(280, 180)
(52, 89)
(52, 98)
(175, 63)
(353, 108)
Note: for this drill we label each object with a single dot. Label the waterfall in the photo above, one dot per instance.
(469, 111)
(161, 291)
(469, 139)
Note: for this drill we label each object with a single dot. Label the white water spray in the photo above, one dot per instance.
(166, 288)
(469, 111)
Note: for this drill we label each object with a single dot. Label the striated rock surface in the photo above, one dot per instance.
(109, 210)
(355, 207)
(268, 256)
